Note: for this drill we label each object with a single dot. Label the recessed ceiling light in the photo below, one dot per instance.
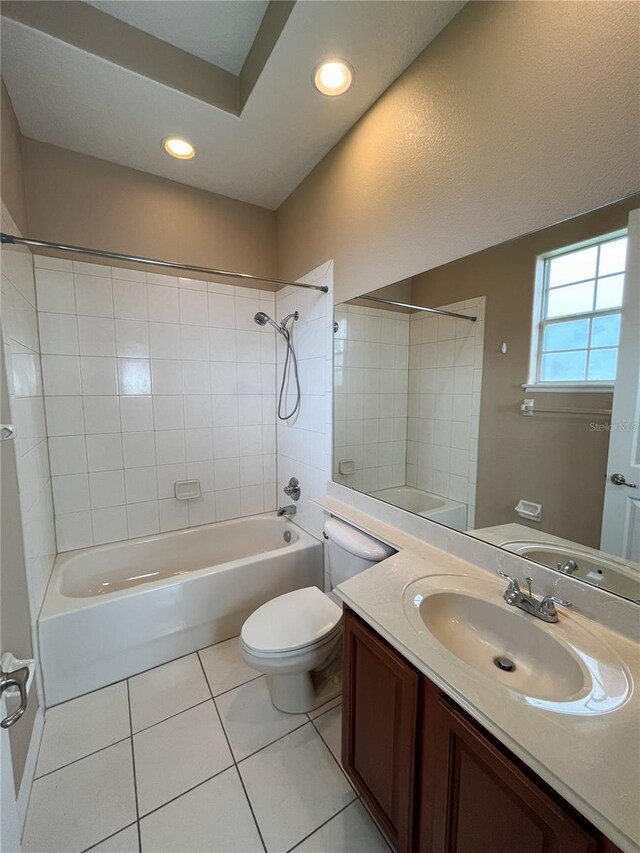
(333, 77)
(179, 148)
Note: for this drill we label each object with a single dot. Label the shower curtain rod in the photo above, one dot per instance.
(419, 308)
(79, 250)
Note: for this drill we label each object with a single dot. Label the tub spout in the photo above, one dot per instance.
(287, 510)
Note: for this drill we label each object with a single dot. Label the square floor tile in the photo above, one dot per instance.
(251, 721)
(330, 727)
(84, 725)
(166, 690)
(213, 818)
(351, 831)
(126, 841)
(177, 754)
(294, 786)
(83, 803)
(225, 667)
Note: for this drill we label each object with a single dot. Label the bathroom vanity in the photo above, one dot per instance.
(434, 779)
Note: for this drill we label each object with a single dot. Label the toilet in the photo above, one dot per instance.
(295, 639)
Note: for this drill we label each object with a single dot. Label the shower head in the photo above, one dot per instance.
(262, 319)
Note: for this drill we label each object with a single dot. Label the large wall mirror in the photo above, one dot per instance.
(511, 412)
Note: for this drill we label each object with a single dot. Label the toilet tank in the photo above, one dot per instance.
(351, 551)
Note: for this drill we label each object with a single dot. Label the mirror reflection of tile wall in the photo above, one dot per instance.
(371, 360)
(445, 380)
(407, 404)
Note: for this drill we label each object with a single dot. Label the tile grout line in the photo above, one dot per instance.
(318, 828)
(106, 838)
(235, 764)
(135, 778)
(82, 757)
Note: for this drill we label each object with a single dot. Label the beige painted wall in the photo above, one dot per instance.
(11, 177)
(555, 459)
(89, 202)
(518, 115)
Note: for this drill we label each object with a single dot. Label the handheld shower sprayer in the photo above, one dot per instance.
(290, 359)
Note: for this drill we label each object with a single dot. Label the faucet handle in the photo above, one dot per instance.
(557, 600)
(515, 586)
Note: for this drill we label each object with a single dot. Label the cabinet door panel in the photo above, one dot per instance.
(379, 729)
(483, 802)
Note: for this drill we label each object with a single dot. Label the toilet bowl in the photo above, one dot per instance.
(296, 638)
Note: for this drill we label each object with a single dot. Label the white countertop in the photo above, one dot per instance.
(592, 760)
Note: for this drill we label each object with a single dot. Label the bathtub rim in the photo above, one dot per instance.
(56, 603)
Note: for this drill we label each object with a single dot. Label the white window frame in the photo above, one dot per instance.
(540, 295)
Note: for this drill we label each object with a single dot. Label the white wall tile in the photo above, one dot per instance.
(94, 295)
(98, 375)
(71, 492)
(109, 524)
(139, 449)
(61, 375)
(106, 488)
(130, 300)
(132, 338)
(96, 335)
(68, 454)
(136, 414)
(141, 484)
(55, 291)
(74, 530)
(143, 519)
(65, 415)
(163, 304)
(101, 414)
(104, 452)
(165, 340)
(193, 308)
(170, 447)
(168, 412)
(134, 376)
(58, 334)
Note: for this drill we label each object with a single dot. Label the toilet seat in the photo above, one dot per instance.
(292, 622)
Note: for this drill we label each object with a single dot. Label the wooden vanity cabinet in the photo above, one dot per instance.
(433, 778)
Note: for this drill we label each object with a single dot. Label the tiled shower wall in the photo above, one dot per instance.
(304, 442)
(445, 379)
(371, 356)
(149, 379)
(24, 380)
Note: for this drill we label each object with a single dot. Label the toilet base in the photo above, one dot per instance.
(303, 692)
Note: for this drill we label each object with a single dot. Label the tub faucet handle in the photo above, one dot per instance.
(292, 489)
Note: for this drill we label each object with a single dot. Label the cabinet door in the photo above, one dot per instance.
(476, 797)
(379, 728)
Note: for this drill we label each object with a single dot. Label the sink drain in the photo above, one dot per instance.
(504, 664)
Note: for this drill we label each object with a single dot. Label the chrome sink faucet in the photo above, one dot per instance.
(287, 510)
(541, 608)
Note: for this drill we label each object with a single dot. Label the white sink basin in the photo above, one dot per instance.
(560, 665)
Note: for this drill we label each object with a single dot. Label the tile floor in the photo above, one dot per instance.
(189, 757)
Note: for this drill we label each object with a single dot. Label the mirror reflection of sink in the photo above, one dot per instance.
(560, 666)
(607, 573)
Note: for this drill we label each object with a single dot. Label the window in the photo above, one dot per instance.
(577, 316)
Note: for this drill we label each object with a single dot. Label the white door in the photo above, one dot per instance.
(621, 515)
(9, 823)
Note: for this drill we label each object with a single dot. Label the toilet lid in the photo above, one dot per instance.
(291, 621)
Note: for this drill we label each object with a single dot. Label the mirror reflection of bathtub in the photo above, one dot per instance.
(426, 504)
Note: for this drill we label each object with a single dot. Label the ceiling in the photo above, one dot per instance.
(74, 99)
(218, 31)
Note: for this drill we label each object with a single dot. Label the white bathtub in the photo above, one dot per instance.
(426, 504)
(115, 610)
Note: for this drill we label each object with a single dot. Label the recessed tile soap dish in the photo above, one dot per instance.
(185, 490)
